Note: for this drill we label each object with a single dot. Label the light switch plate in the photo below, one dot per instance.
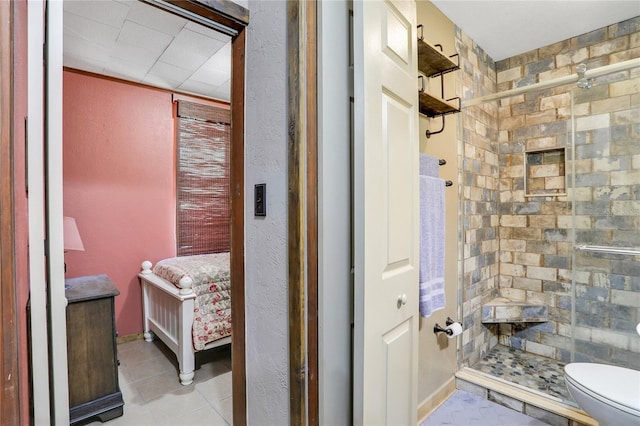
(260, 199)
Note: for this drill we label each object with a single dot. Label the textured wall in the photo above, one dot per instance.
(266, 237)
(536, 232)
(478, 130)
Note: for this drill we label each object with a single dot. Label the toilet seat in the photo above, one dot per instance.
(616, 386)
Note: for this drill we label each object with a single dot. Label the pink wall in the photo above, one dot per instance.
(118, 183)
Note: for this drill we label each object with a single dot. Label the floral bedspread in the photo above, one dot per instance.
(212, 286)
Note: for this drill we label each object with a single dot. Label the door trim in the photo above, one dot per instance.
(302, 212)
(10, 396)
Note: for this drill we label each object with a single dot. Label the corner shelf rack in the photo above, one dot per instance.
(433, 63)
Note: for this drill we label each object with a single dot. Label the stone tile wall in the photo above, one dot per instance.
(477, 127)
(521, 247)
(536, 233)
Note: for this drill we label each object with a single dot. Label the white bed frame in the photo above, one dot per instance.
(168, 314)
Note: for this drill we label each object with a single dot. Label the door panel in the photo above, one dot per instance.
(386, 207)
(398, 342)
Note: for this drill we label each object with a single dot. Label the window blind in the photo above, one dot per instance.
(202, 196)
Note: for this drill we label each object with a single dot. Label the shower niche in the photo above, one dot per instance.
(545, 173)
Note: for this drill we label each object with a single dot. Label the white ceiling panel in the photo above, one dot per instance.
(207, 32)
(111, 13)
(192, 86)
(139, 57)
(122, 68)
(170, 72)
(212, 77)
(144, 37)
(80, 63)
(191, 49)
(134, 41)
(91, 31)
(75, 46)
(154, 18)
(223, 91)
(162, 82)
(213, 71)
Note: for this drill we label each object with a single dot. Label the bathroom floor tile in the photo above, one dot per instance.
(465, 409)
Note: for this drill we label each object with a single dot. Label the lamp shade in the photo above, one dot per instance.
(72, 240)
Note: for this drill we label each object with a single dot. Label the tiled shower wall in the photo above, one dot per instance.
(536, 232)
(479, 182)
(521, 247)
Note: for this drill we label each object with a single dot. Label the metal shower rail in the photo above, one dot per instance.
(609, 249)
(568, 79)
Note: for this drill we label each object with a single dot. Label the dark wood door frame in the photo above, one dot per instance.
(302, 211)
(10, 395)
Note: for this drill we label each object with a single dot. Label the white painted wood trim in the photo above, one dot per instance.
(335, 300)
(35, 181)
(55, 259)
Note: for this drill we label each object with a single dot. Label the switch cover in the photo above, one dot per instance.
(260, 199)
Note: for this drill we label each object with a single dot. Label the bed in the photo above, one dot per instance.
(187, 305)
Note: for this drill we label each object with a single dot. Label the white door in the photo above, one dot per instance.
(386, 209)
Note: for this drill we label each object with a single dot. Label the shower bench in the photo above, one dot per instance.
(506, 310)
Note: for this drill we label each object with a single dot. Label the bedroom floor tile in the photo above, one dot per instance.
(206, 416)
(153, 395)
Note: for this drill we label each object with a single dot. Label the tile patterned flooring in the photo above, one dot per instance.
(466, 409)
(526, 369)
(153, 394)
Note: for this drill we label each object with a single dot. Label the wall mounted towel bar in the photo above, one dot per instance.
(609, 249)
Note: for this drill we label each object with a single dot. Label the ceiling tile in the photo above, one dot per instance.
(138, 57)
(89, 30)
(191, 86)
(169, 71)
(78, 47)
(211, 76)
(145, 37)
(158, 81)
(138, 42)
(156, 19)
(107, 12)
(207, 32)
(84, 64)
(217, 69)
(190, 50)
(223, 91)
(126, 70)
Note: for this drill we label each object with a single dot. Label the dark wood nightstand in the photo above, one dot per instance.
(91, 349)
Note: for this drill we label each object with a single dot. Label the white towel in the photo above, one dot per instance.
(429, 165)
(432, 221)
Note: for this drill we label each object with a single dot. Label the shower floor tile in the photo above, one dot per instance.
(533, 371)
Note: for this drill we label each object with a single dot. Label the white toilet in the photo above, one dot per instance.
(609, 394)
